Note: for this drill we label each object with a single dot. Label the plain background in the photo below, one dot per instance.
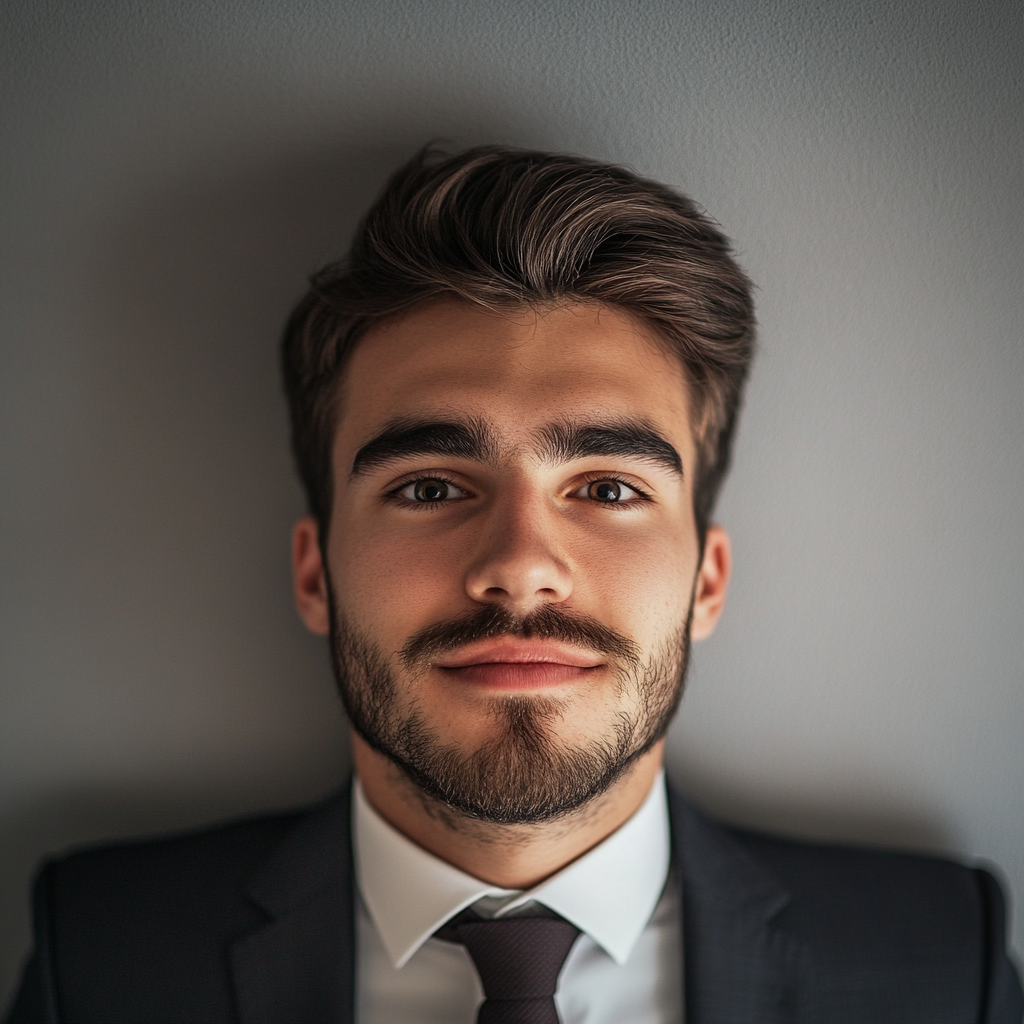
(170, 173)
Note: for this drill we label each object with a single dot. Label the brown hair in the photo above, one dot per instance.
(504, 228)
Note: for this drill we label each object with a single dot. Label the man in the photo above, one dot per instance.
(512, 409)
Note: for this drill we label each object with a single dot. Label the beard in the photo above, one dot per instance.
(523, 774)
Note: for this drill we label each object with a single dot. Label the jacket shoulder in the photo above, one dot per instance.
(849, 888)
(903, 929)
(143, 928)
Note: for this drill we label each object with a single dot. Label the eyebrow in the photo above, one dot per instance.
(404, 438)
(635, 439)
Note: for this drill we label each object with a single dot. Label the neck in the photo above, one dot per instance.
(509, 856)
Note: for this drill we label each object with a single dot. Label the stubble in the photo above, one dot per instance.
(524, 773)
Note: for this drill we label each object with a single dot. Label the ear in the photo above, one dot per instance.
(308, 577)
(711, 584)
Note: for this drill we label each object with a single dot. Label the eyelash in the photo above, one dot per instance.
(588, 479)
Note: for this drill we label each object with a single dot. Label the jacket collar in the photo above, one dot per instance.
(738, 967)
(299, 968)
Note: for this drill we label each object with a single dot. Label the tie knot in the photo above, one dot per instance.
(518, 960)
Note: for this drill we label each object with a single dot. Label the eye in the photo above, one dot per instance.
(604, 490)
(609, 492)
(429, 491)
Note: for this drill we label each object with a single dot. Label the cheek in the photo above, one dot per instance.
(637, 580)
(394, 582)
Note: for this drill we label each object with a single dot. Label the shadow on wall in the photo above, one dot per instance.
(864, 818)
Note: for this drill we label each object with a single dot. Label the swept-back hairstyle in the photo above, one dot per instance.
(504, 228)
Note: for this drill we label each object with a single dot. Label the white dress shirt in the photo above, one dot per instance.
(625, 966)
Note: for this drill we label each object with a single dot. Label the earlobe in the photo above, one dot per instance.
(308, 577)
(712, 583)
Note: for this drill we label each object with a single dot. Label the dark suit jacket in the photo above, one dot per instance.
(253, 923)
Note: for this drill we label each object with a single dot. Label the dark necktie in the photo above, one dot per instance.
(518, 960)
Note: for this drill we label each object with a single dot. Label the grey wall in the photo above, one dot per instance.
(170, 172)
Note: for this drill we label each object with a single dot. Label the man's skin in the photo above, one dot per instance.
(519, 525)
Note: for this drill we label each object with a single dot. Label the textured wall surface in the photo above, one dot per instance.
(171, 171)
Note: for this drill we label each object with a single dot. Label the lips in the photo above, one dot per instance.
(510, 664)
(519, 652)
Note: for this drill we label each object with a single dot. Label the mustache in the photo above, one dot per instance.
(546, 623)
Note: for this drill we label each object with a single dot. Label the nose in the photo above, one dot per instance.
(519, 564)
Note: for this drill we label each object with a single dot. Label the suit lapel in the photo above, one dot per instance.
(738, 968)
(299, 968)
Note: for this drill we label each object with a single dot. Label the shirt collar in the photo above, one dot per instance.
(609, 893)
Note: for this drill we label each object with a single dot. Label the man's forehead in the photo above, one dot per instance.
(449, 360)
(467, 344)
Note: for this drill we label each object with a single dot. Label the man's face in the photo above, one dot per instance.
(512, 551)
